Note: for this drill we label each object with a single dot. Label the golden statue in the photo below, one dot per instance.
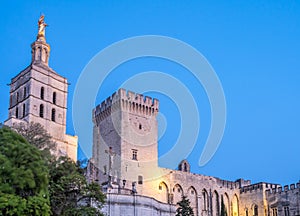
(41, 26)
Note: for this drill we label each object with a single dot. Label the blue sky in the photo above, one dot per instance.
(253, 46)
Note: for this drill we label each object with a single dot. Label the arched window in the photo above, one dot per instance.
(54, 98)
(205, 200)
(185, 167)
(42, 111)
(140, 179)
(42, 93)
(53, 115)
(255, 212)
(24, 112)
(24, 96)
(134, 154)
(17, 112)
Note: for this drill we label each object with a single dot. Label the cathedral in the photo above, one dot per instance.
(39, 94)
(125, 152)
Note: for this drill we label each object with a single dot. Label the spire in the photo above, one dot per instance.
(40, 49)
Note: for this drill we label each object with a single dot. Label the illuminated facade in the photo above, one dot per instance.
(125, 162)
(39, 94)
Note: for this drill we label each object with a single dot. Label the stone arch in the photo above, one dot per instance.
(226, 203)
(163, 192)
(235, 205)
(205, 203)
(193, 197)
(177, 193)
(184, 166)
(216, 204)
(254, 210)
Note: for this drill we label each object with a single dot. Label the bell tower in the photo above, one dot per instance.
(40, 49)
(39, 94)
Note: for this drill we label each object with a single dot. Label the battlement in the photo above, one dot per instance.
(126, 101)
(286, 188)
(257, 187)
(227, 184)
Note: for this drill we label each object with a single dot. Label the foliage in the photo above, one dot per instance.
(184, 208)
(70, 194)
(23, 177)
(223, 207)
(36, 135)
(69, 191)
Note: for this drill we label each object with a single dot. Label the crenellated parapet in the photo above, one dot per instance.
(228, 184)
(127, 101)
(254, 188)
(287, 188)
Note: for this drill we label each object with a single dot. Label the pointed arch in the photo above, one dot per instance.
(254, 208)
(205, 203)
(177, 193)
(163, 192)
(193, 197)
(227, 203)
(235, 205)
(216, 203)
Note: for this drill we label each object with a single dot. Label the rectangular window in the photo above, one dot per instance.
(134, 154)
(24, 96)
(24, 110)
(17, 112)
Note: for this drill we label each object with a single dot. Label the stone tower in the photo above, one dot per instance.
(125, 137)
(38, 94)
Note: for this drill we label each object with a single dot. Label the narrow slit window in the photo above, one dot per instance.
(42, 111)
(24, 110)
(54, 98)
(24, 96)
(42, 93)
(53, 115)
(17, 112)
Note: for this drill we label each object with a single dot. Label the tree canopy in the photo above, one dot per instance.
(36, 135)
(69, 192)
(23, 177)
(184, 208)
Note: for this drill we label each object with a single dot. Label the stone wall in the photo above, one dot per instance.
(136, 205)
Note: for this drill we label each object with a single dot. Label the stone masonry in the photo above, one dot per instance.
(39, 94)
(125, 125)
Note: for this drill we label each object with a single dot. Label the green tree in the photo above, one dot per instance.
(223, 208)
(70, 194)
(69, 191)
(184, 208)
(36, 135)
(23, 177)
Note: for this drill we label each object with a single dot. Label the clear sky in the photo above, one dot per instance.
(253, 46)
